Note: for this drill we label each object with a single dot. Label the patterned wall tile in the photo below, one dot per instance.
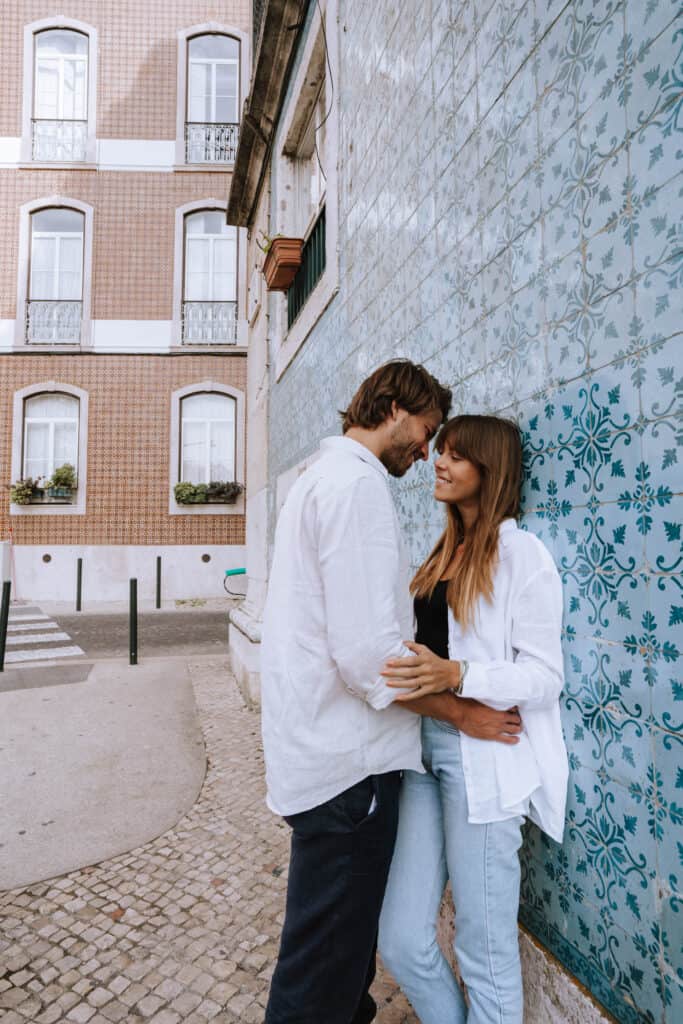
(515, 223)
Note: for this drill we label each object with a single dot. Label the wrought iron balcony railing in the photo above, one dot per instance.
(311, 269)
(207, 143)
(209, 323)
(53, 320)
(59, 140)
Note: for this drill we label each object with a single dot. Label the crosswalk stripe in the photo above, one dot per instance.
(37, 638)
(25, 626)
(43, 655)
(28, 617)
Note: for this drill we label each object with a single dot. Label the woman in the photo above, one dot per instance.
(489, 598)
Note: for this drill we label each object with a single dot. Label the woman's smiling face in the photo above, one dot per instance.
(457, 479)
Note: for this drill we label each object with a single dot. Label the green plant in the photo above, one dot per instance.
(190, 494)
(63, 476)
(224, 490)
(22, 491)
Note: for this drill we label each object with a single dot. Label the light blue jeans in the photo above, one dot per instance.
(436, 842)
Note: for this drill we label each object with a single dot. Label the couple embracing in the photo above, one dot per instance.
(400, 765)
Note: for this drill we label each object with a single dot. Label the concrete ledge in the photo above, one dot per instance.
(244, 640)
(95, 769)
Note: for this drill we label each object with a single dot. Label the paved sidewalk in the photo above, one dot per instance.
(184, 928)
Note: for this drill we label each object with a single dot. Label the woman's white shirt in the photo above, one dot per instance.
(515, 658)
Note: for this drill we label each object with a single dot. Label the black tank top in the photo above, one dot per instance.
(432, 620)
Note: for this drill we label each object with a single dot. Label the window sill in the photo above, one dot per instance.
(57, 165)
(209, 509)
(37, 348)
(316, 304)
(219, 165)
(72, 508)
(197, 348)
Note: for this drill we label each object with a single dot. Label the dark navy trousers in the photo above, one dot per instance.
(340, 857)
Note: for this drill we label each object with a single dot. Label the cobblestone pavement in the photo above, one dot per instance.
(184, 928)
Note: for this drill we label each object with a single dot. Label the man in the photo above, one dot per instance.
(338, 607)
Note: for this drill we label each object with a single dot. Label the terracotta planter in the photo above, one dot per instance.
(282, 261)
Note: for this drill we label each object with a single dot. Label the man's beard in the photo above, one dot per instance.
(399, 455)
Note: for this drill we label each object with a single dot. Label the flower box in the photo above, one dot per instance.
(282, 261)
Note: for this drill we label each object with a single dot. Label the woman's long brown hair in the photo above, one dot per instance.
(494, 445)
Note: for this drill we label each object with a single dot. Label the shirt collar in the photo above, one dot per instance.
(347, 444)
(507, 526)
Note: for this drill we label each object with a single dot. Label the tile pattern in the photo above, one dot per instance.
(185, 928)
(133, 232)
(510, 214)
(137, 59)
(128, 489)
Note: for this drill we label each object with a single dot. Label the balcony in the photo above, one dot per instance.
(50, 321)
(311, 270)
(59, 141)
(207, 143)
(209, 323)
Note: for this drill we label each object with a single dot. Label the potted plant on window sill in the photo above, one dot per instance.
(62, 483)
(283, 259)
(223, 492)
(25, 492)
(218, 492)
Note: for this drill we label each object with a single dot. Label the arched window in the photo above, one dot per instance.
(209, 279)
(60, 95)
(212, 80)
(50, 436)
(208, 438)
(55, 290)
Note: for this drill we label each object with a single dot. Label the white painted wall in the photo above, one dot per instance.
(107, 570)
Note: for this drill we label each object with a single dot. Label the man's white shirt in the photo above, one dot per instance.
(338, 606)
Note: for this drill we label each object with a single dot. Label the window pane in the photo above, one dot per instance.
(197, 266)
(36, 442)
(47, 90)
(208, 222)
(209, 406)
(57, 218)
(69, 271)
(224, 276)
(199, 105)
(52, 406)
(193, 465)
(43, 259)
(61, 41)
(222, 451)
(214, 46)
(226, 93)
(66, 444)
(74, 90)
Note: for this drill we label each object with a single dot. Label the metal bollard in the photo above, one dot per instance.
(79, 583)
(158, 598)
(4, 619)
(133, 623)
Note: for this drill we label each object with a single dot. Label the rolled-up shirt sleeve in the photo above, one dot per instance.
(534, 679)
(359, 560)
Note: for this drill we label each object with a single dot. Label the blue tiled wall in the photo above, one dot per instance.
(511, 215)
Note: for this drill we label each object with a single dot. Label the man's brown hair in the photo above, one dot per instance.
(408, 384)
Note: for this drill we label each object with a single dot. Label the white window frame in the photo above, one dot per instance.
(30, 31)
(286, 180)
(77, 507)
(196, 206)
(206, 458)
(25, 213)
(240, 453)
(213, 62)
(184, 35)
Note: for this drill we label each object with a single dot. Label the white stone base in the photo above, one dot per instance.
(107, 570)
(244, 641)
(551, 994)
